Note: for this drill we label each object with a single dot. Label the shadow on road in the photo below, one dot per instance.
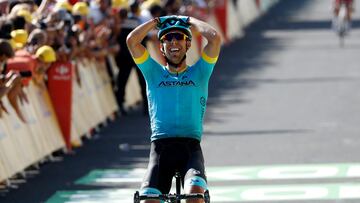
(251, 54)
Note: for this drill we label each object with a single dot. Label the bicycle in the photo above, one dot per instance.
(173, 198)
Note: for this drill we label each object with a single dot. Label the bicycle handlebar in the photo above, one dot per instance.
(172, 197)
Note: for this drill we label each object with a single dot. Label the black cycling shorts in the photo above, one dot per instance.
(170, 155)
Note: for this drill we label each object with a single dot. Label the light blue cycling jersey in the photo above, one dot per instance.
(177, 102)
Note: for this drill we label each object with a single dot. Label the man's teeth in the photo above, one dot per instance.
(174, 49)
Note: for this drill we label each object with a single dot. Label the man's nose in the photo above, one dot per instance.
(173, 40)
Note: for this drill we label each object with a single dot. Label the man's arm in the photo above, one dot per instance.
(135, 38)
(212, 48)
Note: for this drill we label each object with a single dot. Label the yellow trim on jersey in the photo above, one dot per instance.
(208, 58)
(142, 58)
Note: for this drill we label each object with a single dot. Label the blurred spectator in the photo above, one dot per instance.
(36, 63)
(45, 55)
(148, 3)
(10, 83)
(3, 7)
(80, 8)
(5, 29)
(25, 14)
(6, 52)
(198, 8)
(15, 6)
(172, 7)
(124, 60)
(18, 38)
(117, 4)
(156, 11)
(15, 93)
(38, 2)
(45, 7)
(99, 10)
(37, 38)
(63, 5)
(18, 22)
(90, 29)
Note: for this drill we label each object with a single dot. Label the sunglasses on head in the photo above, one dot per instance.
(172, 35)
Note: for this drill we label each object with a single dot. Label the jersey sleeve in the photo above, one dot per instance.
(206, 65)
(145, 63)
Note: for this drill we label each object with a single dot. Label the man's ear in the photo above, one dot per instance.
(188, 44)
(162, 49)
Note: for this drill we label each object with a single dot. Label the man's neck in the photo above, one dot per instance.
(177, 70)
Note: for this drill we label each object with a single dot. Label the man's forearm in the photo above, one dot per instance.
(205, 29)
(212, 48)
(140, 32)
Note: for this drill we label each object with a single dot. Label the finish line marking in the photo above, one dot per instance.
(233, 193)
(234, 173)
(226, 193)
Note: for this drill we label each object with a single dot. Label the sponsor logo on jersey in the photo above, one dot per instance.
(176, 83)
(202, 101)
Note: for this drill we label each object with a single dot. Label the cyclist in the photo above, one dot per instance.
(177, 95)
(349, 8)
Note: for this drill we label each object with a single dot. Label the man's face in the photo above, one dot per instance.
(175, 45)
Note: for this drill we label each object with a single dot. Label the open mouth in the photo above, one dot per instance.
(174, 50)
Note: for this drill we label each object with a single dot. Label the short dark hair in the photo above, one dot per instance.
(6, 49)
(5, 30)
(123, 13)
(18, 22)
(134, 6)
(156, 9)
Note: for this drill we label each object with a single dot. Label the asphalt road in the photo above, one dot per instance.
(282, 121)
(287, 93)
